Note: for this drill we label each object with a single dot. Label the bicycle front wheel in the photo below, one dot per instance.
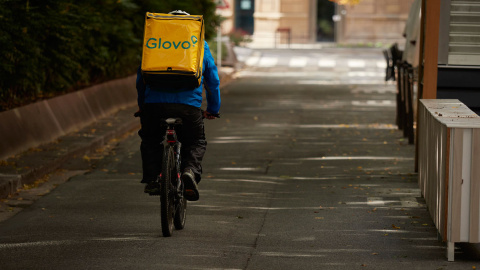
(167, 198)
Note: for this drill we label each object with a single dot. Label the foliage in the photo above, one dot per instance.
(325, 27)
(346, 2)
(238, 37)
(51, 47)
(213, 50)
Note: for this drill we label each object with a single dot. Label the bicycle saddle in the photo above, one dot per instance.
(172, 121)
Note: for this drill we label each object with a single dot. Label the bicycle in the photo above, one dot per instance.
(173, 204)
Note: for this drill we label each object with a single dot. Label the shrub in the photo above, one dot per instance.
(239, 37)
(52, 47)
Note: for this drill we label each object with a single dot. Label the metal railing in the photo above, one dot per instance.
(405, 100)
(404, 74)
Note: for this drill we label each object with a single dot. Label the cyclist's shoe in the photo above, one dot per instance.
(146, 180)
(152, 188)
(191, 188)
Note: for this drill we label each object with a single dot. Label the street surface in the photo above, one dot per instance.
(305, 170)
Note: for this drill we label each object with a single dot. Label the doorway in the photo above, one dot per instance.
(244, 10)
(325, 24)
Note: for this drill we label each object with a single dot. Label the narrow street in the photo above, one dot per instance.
(304, 170)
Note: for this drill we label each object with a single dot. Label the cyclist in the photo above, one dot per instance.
(157, 103)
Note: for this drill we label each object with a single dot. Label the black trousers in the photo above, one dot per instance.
(191, 134)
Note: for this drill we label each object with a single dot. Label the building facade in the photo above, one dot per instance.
(273, 22)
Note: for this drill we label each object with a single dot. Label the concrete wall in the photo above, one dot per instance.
(273, 14)
(31, 125)
(374, 21)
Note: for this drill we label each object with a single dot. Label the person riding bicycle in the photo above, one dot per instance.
(156, 103)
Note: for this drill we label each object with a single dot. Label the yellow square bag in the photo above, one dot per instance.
(172, 54)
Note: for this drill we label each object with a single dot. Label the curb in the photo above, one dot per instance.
(41, 122)
(52, 155)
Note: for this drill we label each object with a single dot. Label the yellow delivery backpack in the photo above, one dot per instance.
(172, 54)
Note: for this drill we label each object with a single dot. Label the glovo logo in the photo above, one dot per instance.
(153, 44)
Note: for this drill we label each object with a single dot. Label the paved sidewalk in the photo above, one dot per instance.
(27, 167)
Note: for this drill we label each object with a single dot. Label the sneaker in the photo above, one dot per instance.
(149, 179)
(191, 188)
(152, 188)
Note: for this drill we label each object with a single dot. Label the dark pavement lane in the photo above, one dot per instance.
(302, 172)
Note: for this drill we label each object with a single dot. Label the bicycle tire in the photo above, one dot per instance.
(180, 200)
(180, 213)
(167, 199)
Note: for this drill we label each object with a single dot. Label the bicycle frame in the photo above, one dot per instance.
(172, 141)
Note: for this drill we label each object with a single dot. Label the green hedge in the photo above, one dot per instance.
(51, 47)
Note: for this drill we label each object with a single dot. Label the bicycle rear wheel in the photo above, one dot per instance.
(167, 196)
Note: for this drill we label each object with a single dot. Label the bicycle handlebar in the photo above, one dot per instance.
(217, 115)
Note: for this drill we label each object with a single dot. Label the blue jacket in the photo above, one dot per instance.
(147, 94)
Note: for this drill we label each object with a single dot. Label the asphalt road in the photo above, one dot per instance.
(305, 170)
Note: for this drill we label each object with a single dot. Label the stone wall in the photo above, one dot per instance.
(371, 21)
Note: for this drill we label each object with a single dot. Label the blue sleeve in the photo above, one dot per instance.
(212, 81)
(140, 89)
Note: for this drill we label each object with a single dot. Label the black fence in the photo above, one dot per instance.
(403, 73)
